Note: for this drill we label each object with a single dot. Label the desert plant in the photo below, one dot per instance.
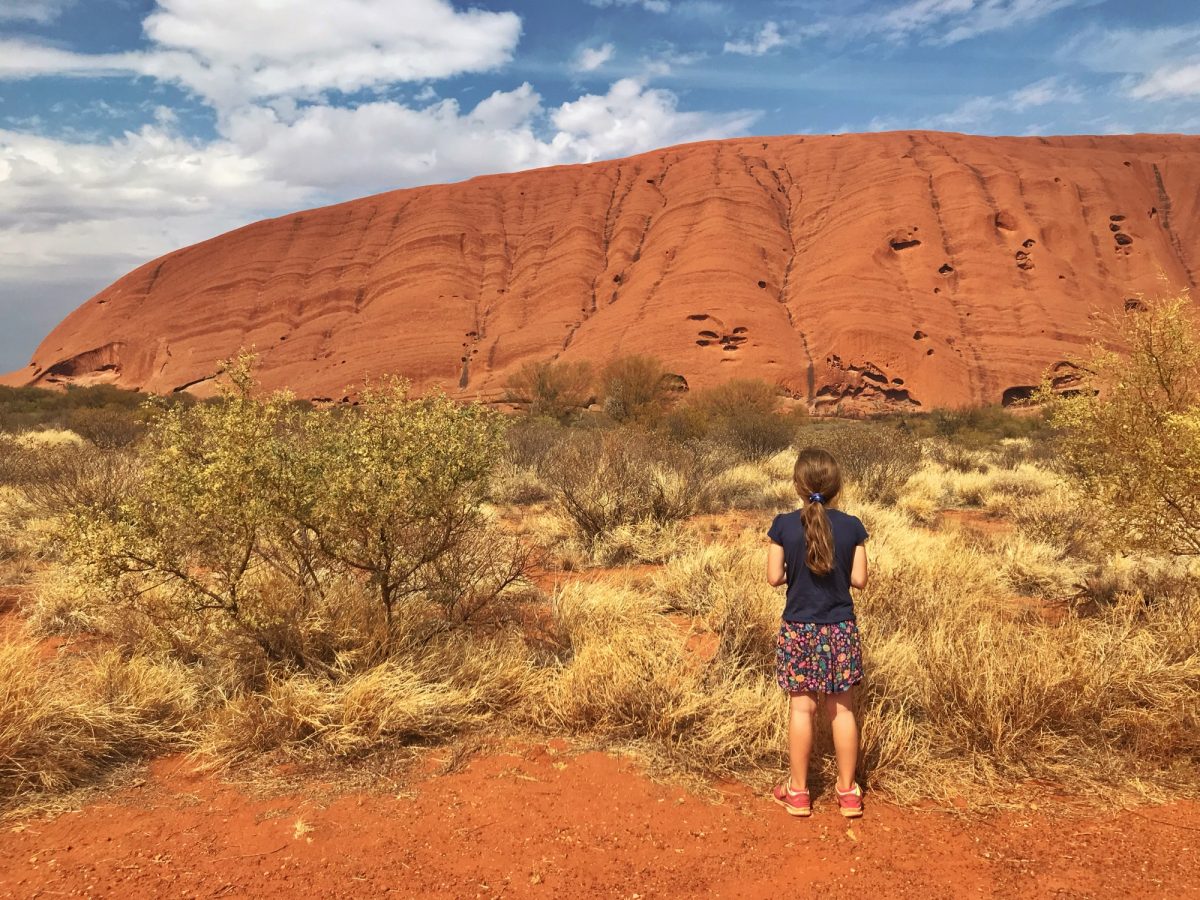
(551, 388)
(634, 388)
(877, 459)
(742, 414)
(605, 479)
(1130, 432)
(65, 721)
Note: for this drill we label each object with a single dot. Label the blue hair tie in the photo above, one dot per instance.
(816, 498)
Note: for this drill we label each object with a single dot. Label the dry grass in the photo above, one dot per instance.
(968, 692)
(65, 721)
(966, 695)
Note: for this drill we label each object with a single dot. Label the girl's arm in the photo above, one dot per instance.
(858, 569)
(776, 574)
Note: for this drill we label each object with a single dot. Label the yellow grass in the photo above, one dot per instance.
(64, 721)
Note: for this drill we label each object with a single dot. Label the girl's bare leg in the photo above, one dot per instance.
(840, 708)
(801, 709)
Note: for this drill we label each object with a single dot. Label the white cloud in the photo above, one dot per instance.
(1169, 82)
(767, 39)
(938, 22)
(656, 6)
(41, 11)
(234, 51)
(1130, 50)
(633, 117)
(978, 112)
(589, 59)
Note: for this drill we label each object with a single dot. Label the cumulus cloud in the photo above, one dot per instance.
(767, 39)
(232, 51)
(589, 59)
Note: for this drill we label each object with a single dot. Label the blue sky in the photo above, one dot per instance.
(131, 127)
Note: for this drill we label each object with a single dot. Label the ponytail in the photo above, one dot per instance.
(818, 536)
(818, 480)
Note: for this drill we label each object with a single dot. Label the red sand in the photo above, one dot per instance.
(542, 822)
(881, 270)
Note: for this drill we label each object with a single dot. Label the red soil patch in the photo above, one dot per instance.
(540, 822)
(976, 520)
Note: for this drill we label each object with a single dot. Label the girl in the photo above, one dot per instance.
(818, 552)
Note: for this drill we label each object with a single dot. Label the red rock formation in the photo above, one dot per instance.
(886, 269)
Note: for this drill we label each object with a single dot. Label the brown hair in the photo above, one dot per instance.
(818, 479)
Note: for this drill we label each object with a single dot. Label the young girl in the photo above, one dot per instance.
(818, 552)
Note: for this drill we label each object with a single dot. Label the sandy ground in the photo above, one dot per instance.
(544, 821)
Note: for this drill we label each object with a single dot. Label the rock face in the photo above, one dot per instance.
(886, 270)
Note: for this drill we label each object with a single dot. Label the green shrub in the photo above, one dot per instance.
(250, 514)
(1130, 432)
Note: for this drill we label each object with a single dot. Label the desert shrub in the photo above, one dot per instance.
(552, 389)
(753, 485)
(605, 479)
(956, 458)
(982, 427)
(877, 459)
(1130, 433)
(449, 687)
(68, 478)
(635, 389)
(251, 516)
(63, 722)
(1061, 518)
(32, 408)
(108, 428)
(742, 414)
(530, 440)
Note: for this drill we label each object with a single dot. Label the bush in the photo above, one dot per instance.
(741, 414)
(1130, 434)
(876, 459)
(555, 390)
(602, 480)
(635, 389)
(251, 516)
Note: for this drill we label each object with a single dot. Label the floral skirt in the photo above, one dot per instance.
(816, 657)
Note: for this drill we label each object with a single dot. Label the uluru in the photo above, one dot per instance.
(870, 271)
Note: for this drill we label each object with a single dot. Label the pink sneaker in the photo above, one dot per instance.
(850, 802)
(797, 803)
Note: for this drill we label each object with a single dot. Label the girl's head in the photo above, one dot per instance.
(818, 480)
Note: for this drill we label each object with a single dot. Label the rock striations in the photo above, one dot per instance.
(897, 270)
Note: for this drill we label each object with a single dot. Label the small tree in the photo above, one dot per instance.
(634, 388)
(399, 484)
(742, 414)
(556, 390)
(1130, 434)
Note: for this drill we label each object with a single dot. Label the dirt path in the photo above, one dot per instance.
(541, 822)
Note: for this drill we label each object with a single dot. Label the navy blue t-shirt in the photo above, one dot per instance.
(822, 599)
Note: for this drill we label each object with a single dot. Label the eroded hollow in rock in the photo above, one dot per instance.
(946, 269)
(904, 245)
